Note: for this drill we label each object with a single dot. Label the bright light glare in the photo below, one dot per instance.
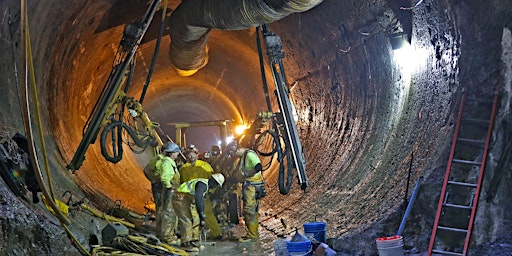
(410, 59)
(240, 129)
(406, 58)
(229, 139)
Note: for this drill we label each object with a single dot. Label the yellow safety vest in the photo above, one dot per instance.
(189, 187)
(200, 169)
(248, 161)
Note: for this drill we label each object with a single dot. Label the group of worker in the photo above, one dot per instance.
(182, 197)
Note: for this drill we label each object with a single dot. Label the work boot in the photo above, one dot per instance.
(189, 247)
(172, 242)
(195, 244)
(245, 239)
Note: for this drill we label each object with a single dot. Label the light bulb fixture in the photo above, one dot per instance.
(399, 40)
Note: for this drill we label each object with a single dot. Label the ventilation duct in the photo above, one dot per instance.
(192, 21)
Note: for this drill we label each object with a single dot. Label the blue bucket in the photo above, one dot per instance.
(315, 230)
(302, 248)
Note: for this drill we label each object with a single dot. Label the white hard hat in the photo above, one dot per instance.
(219, 178)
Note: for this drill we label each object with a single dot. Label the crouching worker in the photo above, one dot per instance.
(187, 193)
(163, 174)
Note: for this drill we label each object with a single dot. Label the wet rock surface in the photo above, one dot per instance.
(27, 230)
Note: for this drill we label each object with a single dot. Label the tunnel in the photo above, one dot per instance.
(372, 119)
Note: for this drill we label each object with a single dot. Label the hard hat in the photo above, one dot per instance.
(170, 147)
(219, 178)
(215, 150)
(192, 148)
(233, 146)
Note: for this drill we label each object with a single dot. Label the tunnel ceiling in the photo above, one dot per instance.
(359, 116)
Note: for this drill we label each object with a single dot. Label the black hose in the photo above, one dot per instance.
(117, 156)
(284, 189)
(155, 55)
(284, 159)
(262, 70)
(275, 141)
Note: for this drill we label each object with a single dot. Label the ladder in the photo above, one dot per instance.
(464, 173)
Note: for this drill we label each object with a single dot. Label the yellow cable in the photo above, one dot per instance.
(56, 211)
(36, 102)
(80, 246)
(107, 217)
(164, 10)
(28, 125)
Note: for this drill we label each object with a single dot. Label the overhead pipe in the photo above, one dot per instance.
(191, 22)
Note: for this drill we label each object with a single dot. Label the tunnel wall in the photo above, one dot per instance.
(365, 139)
(359, 142)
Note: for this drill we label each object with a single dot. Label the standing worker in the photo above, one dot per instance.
(164, 176)
(253, 189)
(188, 193)
(194, 169)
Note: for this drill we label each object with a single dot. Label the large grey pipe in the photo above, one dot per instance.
(192, 21)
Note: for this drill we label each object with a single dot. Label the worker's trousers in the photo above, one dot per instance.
(157, 189)
(183, 204)
(250, 210)
(210, 220)
(166, 219)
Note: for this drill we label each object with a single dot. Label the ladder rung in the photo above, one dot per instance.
(471, 141)
(475, 121)
(452, 229)
(446, 252)
(462, 184)
(458, 206)
(487, 101)
(460, 161)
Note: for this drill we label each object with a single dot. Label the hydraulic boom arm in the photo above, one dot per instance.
(102, 112)
(286, 122)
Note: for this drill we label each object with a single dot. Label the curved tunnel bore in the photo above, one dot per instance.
(365, 125)
(340, 108)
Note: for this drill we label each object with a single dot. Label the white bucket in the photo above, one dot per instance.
(390, 246)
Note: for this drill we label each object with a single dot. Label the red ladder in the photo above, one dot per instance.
(463, 179)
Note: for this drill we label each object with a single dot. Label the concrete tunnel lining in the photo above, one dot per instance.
(357, 135)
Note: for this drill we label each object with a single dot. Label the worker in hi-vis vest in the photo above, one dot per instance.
(193, 169)
(164, 176)
(193, 191)
(253, 189)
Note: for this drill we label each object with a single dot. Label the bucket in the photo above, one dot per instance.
(280, 247)
(315, 230)
(390, 246)
(302, 248)
(324, 250)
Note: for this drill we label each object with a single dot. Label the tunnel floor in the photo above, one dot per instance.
(218, 247)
